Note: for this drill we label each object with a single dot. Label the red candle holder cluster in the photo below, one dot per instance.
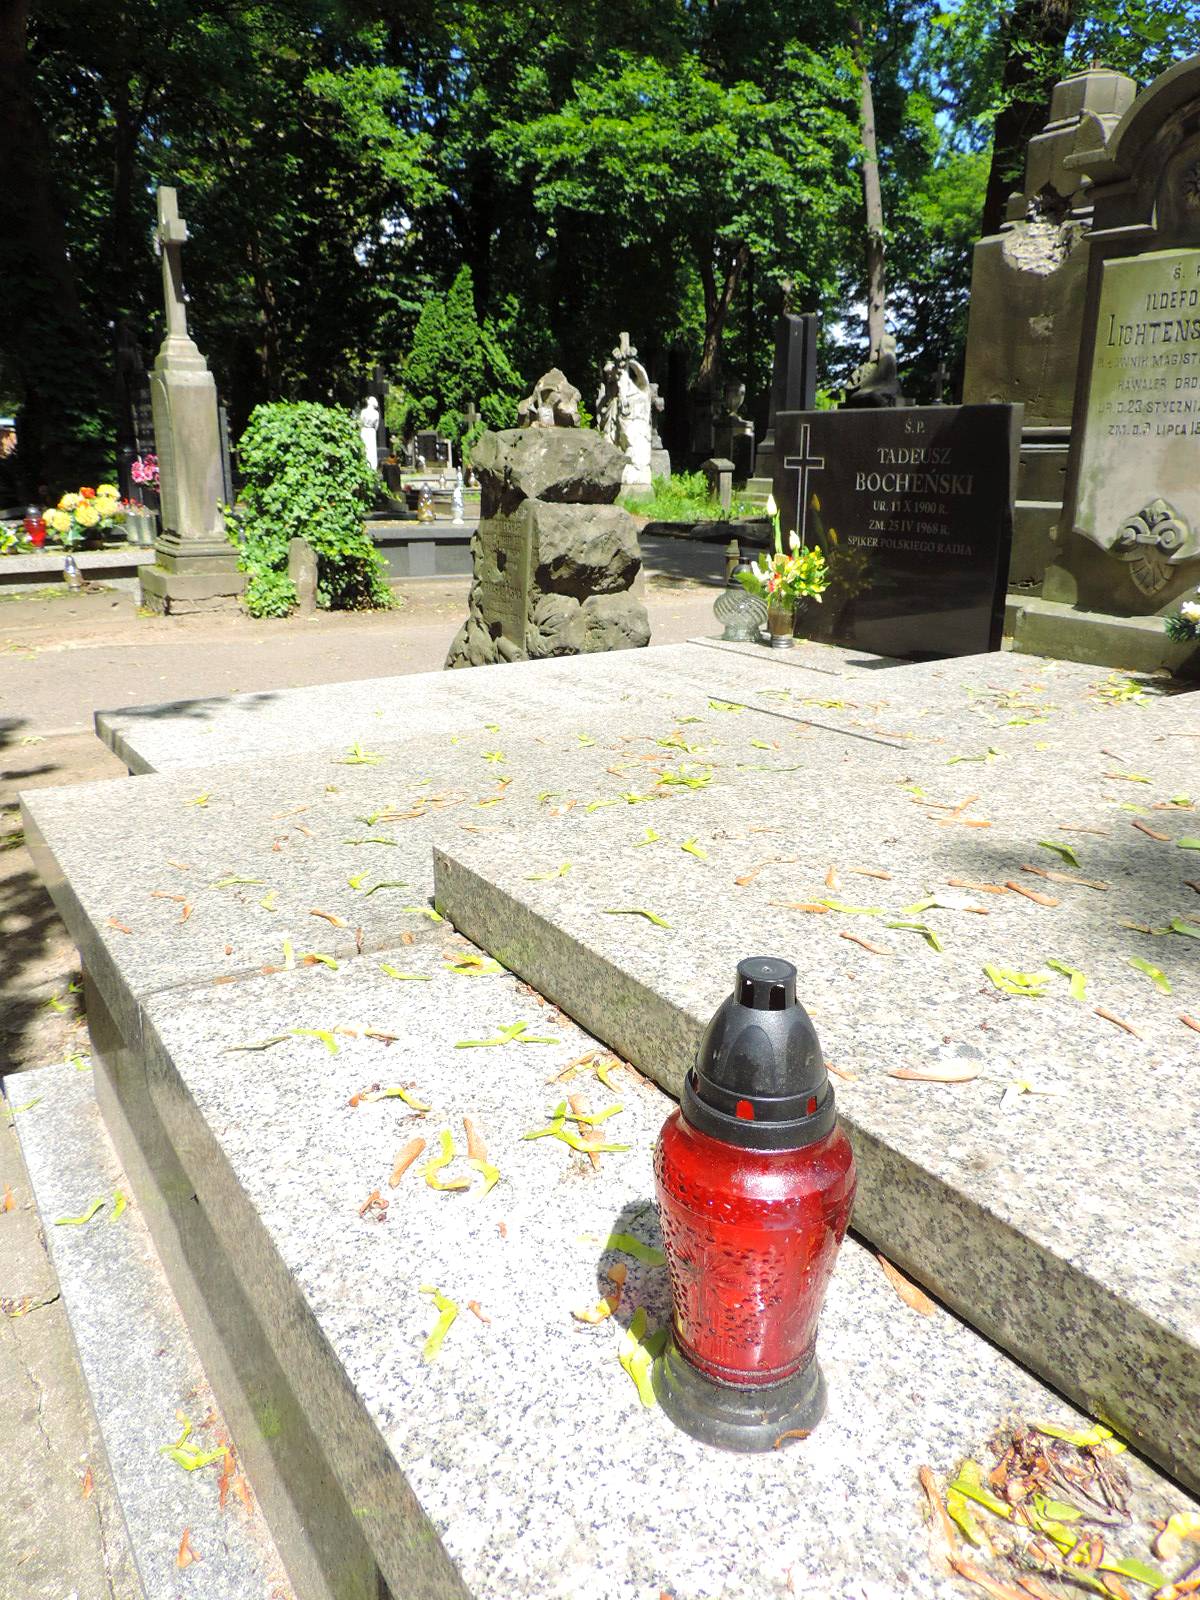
(35, 527)
(755, 1184)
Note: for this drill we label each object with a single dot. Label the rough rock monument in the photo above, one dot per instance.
(555, 560)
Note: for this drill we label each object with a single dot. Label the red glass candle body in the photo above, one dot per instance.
(35, 529)
(751, 1237)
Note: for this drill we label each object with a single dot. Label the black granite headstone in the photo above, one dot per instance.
(913, 509)
(793, 379)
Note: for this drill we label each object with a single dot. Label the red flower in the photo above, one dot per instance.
(87, 494)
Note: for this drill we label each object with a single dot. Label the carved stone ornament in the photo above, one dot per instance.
(1153, 540)
(554, 403)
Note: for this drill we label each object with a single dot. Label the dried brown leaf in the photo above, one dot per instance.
(1030, 894)
(1065, 877)
(476, 1149)
(1151, 833)
(186, 912)
(1120, 1023)
(592, 1135)
(795, 1433)
(331, 917)
(374, 1205)
(875, 949)
(404, 1160)
(840, 1072)
(979, 888)
(832, 881)
(943, 1536)
(947, 1074)
(1190, 1021)
(8, 1201)
(908, 1291)
(186, 1554)
(89, 1483)
(801, 905)
(989, 1585)
(870, 872)
(121, 927)
(771, 861)
(474, 1307)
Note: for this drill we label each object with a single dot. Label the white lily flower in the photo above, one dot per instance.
(772, 508)
(1190, 611)
(793, 540)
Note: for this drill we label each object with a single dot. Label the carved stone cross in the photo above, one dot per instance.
(172, 232)
(804, 464)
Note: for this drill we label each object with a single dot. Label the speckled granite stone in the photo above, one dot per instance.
(523, 1447)
(138, 1361)
(1090, 1192)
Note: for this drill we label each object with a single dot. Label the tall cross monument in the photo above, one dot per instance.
(195, 567)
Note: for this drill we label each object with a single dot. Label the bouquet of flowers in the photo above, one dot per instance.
(787, 576)
(1186, 625)
(144, 471)
(79, 517)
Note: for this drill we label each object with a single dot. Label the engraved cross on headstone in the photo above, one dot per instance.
(803, 464)
(172, 232)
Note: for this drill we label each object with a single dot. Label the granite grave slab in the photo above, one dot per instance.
(486, 1470)
(1040, 1164)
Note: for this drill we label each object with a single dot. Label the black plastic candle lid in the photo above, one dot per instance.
(759, 1080)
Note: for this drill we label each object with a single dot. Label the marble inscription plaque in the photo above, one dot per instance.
(1138, 493)
(505, 571)
(913, 509)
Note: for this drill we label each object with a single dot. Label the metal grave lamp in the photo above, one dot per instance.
(755, 1183)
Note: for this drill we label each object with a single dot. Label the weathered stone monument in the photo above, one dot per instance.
(196, 567)
(733, 434)
(555, 560)
(1027, 298)
(625, 412)
(1127, 546)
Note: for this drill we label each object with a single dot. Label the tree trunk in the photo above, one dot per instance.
(1034, 38)
(872, 199)
(62, 438)
(716, 313)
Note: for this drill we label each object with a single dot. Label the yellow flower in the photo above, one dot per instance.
(107, 491)
(59, 521)
(86, 515)
(69, 502)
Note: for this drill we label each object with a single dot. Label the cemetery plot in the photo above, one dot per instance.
(913, 510)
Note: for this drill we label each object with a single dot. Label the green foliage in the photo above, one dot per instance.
(306, 477)
(683, 497)
(268, 593)
(456, 360)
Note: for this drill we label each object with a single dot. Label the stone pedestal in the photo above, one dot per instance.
(1127, 551)
(1027, 296)
(555, 562)
(196, 567)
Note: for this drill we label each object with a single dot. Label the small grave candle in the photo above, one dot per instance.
(755, 1183)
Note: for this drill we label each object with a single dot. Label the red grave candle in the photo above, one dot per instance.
(755, 1184)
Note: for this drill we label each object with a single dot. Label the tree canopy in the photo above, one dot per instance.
(674, 167)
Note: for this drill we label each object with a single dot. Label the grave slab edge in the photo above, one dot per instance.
(321, 1494)
(133, 1347)
(1143, 1398)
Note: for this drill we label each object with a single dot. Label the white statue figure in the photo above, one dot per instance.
(624, 411)
(368, 428)
(456, 500)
